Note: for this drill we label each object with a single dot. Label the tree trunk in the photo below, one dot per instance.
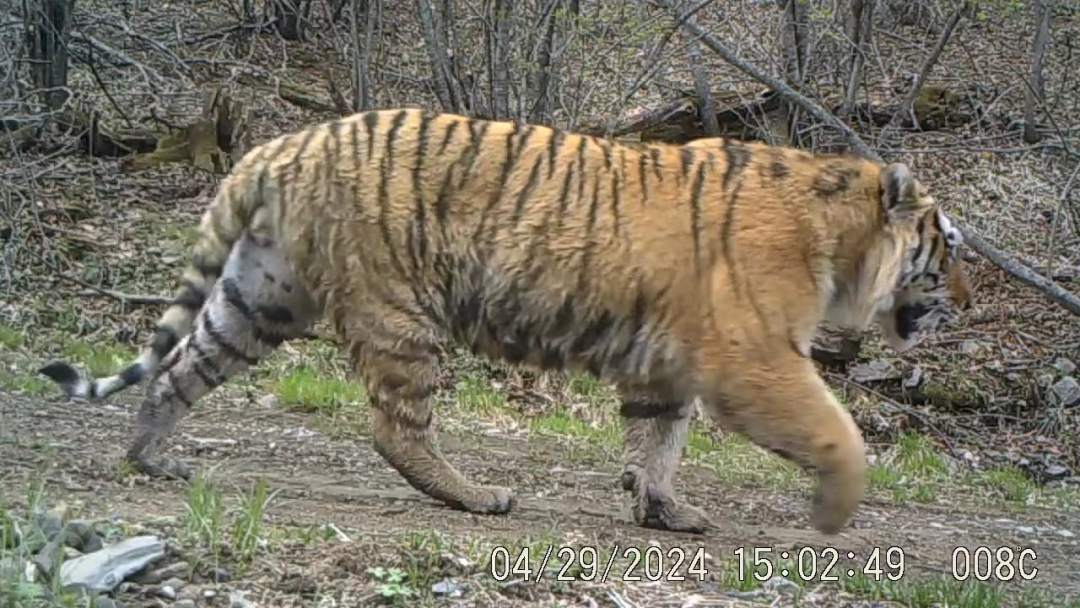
(860, 29)
(1036, 89)
(363, 13)
(545, 87)
(47, 23)
(436, 38)
(499, 56)
(795, 42)
(291, 18)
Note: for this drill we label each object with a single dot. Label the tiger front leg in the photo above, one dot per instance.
(655, 434)
(785, 407)
(401, 385)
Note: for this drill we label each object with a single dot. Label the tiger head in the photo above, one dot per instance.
(931, 286)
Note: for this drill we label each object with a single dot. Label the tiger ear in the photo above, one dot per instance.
(900, 193)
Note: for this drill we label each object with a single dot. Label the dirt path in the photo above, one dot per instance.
(322, 479)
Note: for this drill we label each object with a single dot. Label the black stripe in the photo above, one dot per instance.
(686, 158)
(165, 339)
(132, 374)
(554, 145)
(593, 332)
(332, 161)
(272, 338)
(651, 409)
(448, 136)
(934, 244)
(582, 143)
(654, 154)
(384, 190)
(468, 156)
(420, 212)
(564, 192)
(586, 254)
(354, 139)
(530, 185)
(275, 313)
(223, 344)
(290, 176)
(191, 297)
(207, 380)
(391, 137)
(616, 193)
(919, 246)
(737, 156)
(442, 201)
(201, 357)
(504, 175)
(371, 122)
(179, 394)
(605, 146)
(236, 299)
(641, 177)
(695, 214)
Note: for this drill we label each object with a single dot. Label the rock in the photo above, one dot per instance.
(49, 556)
(914, 379)
(105, 569)
(459, 563)
(969, 347)
(877, 370)
(176, 570)
(167, 592)
(184, 604)
(1065, 533)
(219, 575)
(1056, 471)
(1066, 391)
(1044, 379)
(209, 594)
(448, 588)
(93, 543)
(1025, 529)
(175, 583)
(1064, 366)
(781, 585)
(75, 534)
(237, 600)
(51, 522)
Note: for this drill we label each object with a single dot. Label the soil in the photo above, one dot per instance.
(565, 500)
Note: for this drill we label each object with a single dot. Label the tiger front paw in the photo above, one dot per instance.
(488, 500)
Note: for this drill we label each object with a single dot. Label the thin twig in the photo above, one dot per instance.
(118, 295)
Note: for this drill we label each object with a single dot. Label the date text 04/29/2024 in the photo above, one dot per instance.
(808, 564)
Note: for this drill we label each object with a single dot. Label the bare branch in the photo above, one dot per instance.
(1036, 90)
(907, 106)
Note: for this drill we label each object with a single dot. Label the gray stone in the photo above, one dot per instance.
(448, 588)
(167, 592)
(184, 604)
(175, 583)
(877, 370)
(220, 575)
(1064, 366)
(1066, 391)
(179, 570)
(105, 569)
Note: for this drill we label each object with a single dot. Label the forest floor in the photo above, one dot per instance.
(978, 454)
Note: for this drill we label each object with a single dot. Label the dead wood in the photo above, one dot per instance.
(213, 142)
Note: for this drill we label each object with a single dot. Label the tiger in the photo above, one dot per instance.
(681, 274)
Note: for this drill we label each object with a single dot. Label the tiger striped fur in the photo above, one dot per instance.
(675, 272)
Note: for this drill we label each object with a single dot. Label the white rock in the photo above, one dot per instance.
(103, 570)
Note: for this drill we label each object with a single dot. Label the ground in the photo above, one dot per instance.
(968, 444)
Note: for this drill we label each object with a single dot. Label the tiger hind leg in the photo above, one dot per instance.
(784, 406)
(399, 367)
(655, 432)
(255, 306)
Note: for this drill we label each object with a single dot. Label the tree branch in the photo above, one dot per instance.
(909, 101)
(1018, 270)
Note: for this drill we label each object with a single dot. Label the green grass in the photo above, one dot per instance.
(591, 388)
(913, 470)
(11, 338)
(1009, 483)
(205, 512)
(925, 593)
(739, 462)
(474, 393)
(27, 384)
(247, 532)
(99, 359)
(562, 423)
(307, 390)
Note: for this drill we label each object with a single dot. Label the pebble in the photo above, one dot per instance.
(167, 592)
(175, 583)
(1064, 366)
(1066, 391)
